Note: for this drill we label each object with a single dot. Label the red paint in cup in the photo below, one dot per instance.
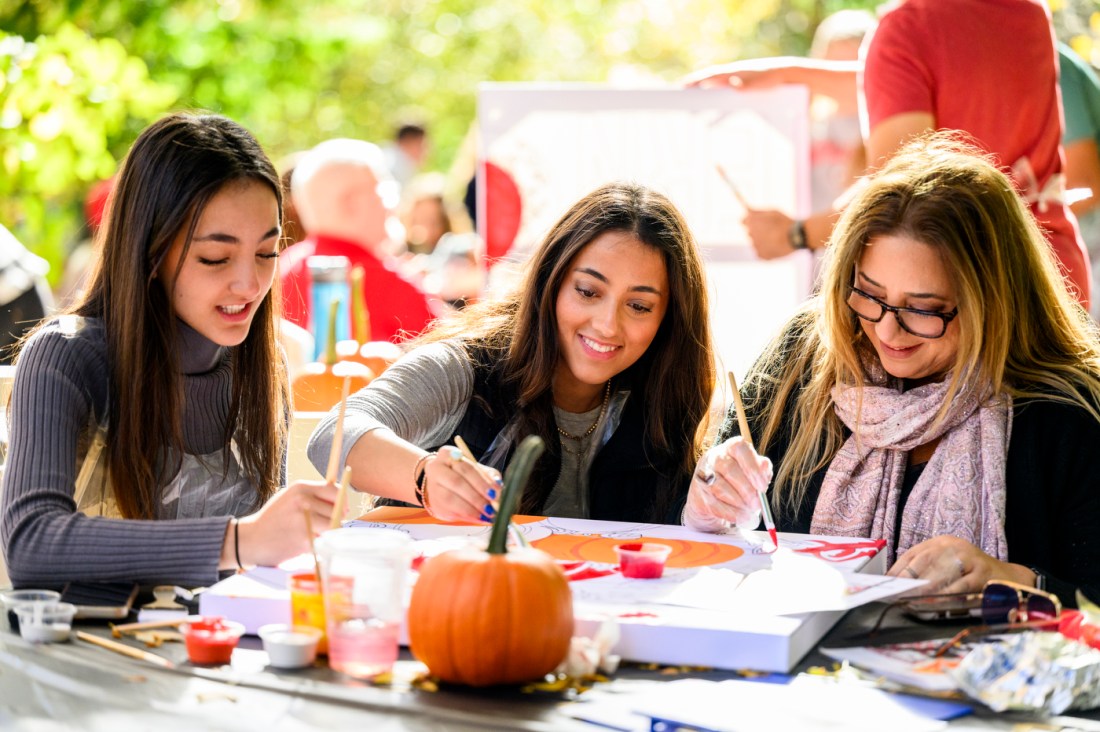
(642, 560)
(211, 640)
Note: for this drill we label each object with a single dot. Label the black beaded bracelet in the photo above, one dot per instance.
(420, 470)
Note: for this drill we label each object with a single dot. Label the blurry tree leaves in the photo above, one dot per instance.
(79, 79)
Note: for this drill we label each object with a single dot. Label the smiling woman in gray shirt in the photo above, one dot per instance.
(604, 351)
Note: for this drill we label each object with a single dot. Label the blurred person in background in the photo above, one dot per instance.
(423, 212)
(943, 64)
(406, 154)
(837, 158)
(345, 198)
(292, 224)
(1081, 140)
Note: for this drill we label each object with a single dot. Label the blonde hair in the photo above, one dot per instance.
(1021, 331)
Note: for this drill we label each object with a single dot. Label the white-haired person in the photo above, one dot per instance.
(346, 197)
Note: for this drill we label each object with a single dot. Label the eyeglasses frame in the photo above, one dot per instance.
(945, 317)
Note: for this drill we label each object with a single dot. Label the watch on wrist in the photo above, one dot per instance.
(1040, 579)
(796, 235)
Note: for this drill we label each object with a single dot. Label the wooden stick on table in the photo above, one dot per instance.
(118, 630)
(124, 649)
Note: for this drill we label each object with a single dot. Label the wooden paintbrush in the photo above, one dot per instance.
(341, 499)
(312, 546)
(743, 423)
(469, 455)
(338, 437)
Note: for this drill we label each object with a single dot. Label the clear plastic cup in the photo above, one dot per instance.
(14, 599)
(364, 573)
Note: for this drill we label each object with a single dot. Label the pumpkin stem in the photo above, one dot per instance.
(515, 480)
(361, 318)
(330, 346)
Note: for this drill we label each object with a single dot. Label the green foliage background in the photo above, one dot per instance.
(79, 80)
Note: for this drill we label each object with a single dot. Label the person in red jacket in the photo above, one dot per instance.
(345, 197)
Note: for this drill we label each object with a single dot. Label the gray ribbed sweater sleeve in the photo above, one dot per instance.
(421, 398)
(61, 381)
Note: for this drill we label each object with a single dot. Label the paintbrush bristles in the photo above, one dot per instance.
(338, 437)
(742, 421)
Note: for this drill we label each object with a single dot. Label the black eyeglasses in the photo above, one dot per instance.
(921, 323)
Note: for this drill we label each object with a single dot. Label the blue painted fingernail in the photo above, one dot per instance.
(498, 480)
(456, 454)
(492, 494)
(489, 510)
(485, 518)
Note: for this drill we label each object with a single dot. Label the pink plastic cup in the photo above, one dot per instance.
(642, 560)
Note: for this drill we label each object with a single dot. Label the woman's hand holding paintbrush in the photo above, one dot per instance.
(274, 533)
(730, 483)
(457, 488)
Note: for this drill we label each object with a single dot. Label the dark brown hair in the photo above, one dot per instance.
(170, 174)
(676, 373)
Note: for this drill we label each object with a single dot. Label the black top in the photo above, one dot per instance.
(630, 480)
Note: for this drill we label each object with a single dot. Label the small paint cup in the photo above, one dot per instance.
(290, 646)
(642, 560)
(46, 622)
(210, 640)
(14, 599)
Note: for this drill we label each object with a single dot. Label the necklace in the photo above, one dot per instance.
(592, 427)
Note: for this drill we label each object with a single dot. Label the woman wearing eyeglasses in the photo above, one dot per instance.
(940, 393)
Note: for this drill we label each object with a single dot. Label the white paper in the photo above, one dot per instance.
(793, 585)
(805, 703)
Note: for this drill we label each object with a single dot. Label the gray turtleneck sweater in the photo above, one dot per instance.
(61, 384)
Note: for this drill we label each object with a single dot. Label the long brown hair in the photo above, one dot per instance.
(675, 374)
(1021, 332)
(170, 174)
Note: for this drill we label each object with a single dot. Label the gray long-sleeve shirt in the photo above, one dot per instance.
(61, 385)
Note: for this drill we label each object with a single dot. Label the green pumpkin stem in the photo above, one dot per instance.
(330, 346)
(515, 480)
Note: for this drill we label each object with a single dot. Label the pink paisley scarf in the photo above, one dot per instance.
(961, 491)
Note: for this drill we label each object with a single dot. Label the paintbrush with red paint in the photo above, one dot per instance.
(743, 423)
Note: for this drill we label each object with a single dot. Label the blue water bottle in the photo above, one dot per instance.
(329, 276)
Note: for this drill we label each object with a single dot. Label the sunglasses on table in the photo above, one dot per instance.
(1000, 604)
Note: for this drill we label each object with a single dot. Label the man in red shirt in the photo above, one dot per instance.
(986, 67)
(345, 197)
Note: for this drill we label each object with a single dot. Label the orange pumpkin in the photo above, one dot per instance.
(493, 617)
(320, 385)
